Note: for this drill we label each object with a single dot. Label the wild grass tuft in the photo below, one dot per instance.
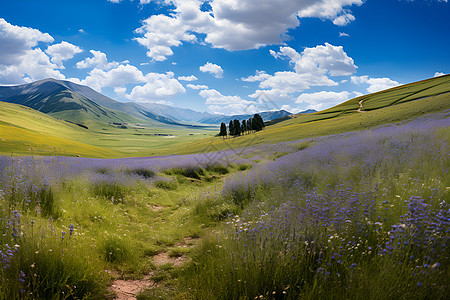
(166, 184)
(115, 250)
(143, 172)
(45, 263)
(110, 190)
(187, 171)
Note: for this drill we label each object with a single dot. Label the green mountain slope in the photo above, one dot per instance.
(24, 130)
(130, 108)
(78, 104)
(401, 94)
(27, 131)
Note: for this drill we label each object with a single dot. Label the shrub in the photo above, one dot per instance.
(222, 211)
(143, 172)
(187, 171)
(165, 184)
(243, 167)
(217, 168)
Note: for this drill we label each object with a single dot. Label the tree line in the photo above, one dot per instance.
(236, 128)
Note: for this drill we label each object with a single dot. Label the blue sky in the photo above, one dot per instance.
(226, 56)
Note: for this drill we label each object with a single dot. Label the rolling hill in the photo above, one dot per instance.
(389, 106)
(79, 104)
(26, 130)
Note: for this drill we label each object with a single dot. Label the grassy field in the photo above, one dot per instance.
(26, 131)
(318, 124)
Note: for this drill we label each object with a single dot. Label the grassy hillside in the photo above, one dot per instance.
(389, 106)
(106, 140)
(26, 131)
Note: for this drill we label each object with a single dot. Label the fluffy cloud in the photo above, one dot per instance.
(343, 20)
(61, 52)
(197, 87)
(322, 100)
(234, 24)
(16, 41)
(375, 84)
(162, 32)
(437, 74)
(312, 68)
(327, 59)
(187, 78)
(282, 84)
(260, 76)
(214, 69)
(229, 105)
(20, 58)
(98, 61)
(116, 77)
(158, 86)
(151, 87)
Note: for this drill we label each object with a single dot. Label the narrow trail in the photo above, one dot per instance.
(360, 106)
(128, 289)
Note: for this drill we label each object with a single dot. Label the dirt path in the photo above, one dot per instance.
(128, 289)
(360, 106)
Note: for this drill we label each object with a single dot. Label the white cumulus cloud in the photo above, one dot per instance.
(344, 19)
(187, 78)
(322, 100)
(21, 60)
(259, 76)
(150, 87)
(197, 86)
(319, 60)
(157, 86)
(375, 84)
(61, 52)
(160, 33)
(229, 105)
(437, 74)
(211, 68)
(234, 24)
(98, 61)
(312, 68)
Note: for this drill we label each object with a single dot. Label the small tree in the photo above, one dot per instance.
(244, 126)
(223, 130)
(249, 125)
(257, 122)
(237, 127)
(231, 128)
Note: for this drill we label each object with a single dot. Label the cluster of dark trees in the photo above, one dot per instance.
(236, 128)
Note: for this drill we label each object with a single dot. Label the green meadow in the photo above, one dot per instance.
(27, 131)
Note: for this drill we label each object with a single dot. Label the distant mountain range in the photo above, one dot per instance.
(81, 104)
